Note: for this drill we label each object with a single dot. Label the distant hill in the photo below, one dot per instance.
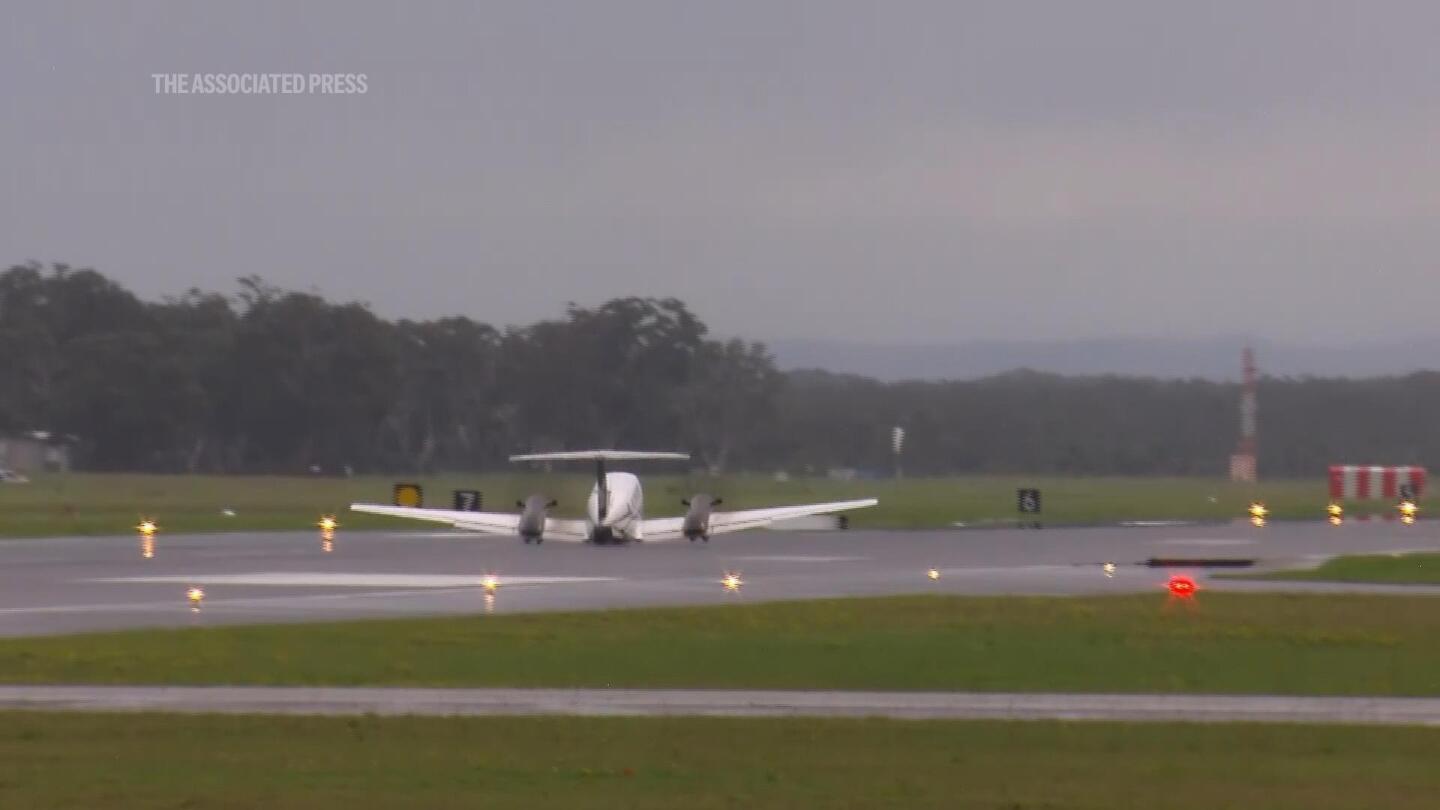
(1213, 359)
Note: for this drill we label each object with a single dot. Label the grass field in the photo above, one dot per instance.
(1382, 569)
(1226, 643)
(108, 504)
(220, 762)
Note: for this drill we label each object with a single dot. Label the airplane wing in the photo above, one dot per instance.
(661, 529)
(658, 530)
(482, 522)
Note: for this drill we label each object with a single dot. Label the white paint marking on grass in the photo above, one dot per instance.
(299, 579)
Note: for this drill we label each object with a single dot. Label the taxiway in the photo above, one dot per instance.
(725, 703)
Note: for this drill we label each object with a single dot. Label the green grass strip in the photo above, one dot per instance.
(1223, 643)
(1380, 569)
(228, 762)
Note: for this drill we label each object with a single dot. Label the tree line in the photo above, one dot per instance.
(273, 380)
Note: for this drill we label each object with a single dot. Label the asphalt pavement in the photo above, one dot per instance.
(73, 584)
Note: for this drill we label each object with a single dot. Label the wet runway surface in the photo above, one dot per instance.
(726, 703)
(62, 585)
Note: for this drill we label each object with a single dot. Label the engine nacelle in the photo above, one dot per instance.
(533, 512)
(697, 518)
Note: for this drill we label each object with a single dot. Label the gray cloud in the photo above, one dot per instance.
(905, 171)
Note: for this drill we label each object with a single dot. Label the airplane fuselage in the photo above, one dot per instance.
(615, 514)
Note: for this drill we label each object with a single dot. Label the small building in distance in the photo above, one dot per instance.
(34, 451)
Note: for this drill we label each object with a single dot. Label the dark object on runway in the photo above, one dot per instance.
(1199, 562)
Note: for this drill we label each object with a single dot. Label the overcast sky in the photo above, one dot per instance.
(883, 171)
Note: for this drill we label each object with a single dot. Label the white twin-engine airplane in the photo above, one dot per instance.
(615, 512)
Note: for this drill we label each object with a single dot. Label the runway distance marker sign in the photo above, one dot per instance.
(409, 495)
(1027, 503)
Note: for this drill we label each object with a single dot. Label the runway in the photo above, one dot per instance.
(63, 585)
(726, 703)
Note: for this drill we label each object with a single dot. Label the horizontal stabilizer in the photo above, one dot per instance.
(601, 455)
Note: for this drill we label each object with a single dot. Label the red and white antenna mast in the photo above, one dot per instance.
(1242, 462)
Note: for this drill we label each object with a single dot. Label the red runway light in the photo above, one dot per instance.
(1181, 586)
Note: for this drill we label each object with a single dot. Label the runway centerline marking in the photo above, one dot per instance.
(1155, 524)
(1204, 541)
(1022, 569)
(798, 558)
(214, 604)
(301, 579)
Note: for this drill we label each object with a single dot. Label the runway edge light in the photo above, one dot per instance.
(1181, 586)
(1408, 511)
(1258, 513)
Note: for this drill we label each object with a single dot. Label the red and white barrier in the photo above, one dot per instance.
(1356, 482)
